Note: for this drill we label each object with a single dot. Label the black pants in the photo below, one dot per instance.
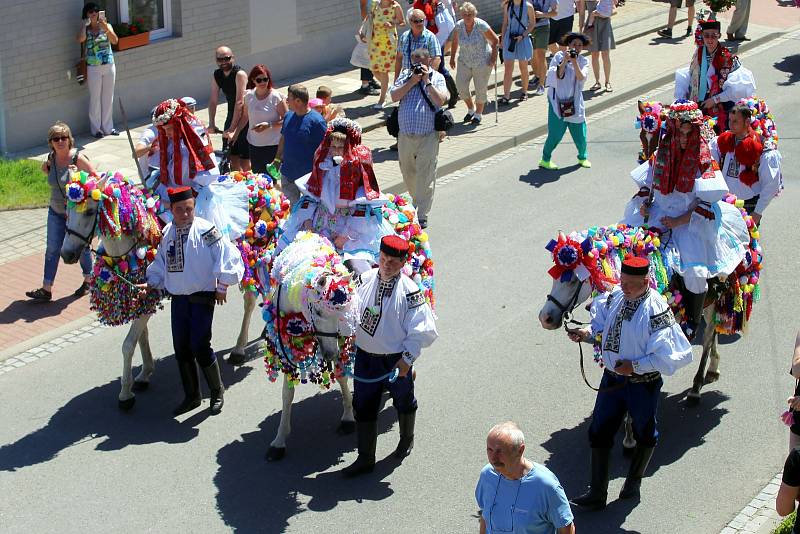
(366, 75)
(367, 396)
(192, 316)
(261, 156)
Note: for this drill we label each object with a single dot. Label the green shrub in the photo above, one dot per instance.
(786, 525)
(22, 184)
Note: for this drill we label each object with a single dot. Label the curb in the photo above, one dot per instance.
(532, 133)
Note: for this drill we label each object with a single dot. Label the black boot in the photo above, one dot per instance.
(214, 380)
(191, 387)
(406, 442)
(641, 457)
(694, 312)
(595, 498)
(367, 433)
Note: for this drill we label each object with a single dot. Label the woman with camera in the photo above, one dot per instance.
(98, 35)
(519, 20)
(565, 77)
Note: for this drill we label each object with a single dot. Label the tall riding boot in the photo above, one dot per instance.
(367, 433)
(191, 387)
(406, 443)
(214, 380)
(641, 457)
(694, 312)
(595, 498)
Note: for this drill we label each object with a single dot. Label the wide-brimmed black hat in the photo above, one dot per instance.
(575, 35)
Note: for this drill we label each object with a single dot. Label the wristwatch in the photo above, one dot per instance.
(428, 85)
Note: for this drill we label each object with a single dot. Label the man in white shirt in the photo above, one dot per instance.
(195, 265)
(396, 324)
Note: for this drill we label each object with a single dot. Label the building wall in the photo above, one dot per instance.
(38, 50)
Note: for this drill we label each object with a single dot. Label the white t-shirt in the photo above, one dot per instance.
(566, 8)
(264, 110)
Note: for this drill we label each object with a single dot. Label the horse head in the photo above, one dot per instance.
(333, 310)
(651, 117)
(83, 202)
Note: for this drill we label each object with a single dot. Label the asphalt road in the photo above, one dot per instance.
(69, 461)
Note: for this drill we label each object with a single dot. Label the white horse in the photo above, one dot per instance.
(311, 317)
(82, 228)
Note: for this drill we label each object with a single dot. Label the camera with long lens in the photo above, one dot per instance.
(512, 41)
(573, 53)
(417, 69)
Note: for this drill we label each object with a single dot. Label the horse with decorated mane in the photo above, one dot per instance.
(588, 262)
(124, 219)
(311, 313)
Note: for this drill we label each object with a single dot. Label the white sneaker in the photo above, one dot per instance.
(378, 106)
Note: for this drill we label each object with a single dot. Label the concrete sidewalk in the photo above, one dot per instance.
(641, 62)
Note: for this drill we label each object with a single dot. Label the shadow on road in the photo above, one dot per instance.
(538, 177)
(31, 311)
(682, 428)
(791, 66)
(93, 415)
(254, 495)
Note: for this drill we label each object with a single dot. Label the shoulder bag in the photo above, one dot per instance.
(443, 120)
(81, 67)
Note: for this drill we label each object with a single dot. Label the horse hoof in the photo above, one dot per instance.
(693, 398)
(126, 404)
(711, 377)
(346, 427)
(276, 453)
(236, 358)
(140, 386)
(627, 452)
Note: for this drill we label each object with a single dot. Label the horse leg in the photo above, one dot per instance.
(142, 380)
(237, 356)
(348, 422)
(277, 449)
(712, 374)
(628, 442)
(126, 396)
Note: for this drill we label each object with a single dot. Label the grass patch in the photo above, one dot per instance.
(786, 525)
(22, 184)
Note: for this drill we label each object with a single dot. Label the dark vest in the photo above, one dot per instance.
(227, 85)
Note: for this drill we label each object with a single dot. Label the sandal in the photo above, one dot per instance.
(609, 89)
(503, 101)
(595, 87)
(40, 294)
(524, 97)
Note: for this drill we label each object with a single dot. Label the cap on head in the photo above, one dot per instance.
(188, 101)
(395, 246)
(710, 25)
(314, 102)
(177, 194)
(635, 266)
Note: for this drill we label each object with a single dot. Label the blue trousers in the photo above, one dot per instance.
(56, 229)
(640, 399)
(367, 397)
(192, 316)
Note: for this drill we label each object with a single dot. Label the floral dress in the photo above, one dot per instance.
(382, 47)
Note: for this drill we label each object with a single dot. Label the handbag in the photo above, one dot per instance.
(393, 123)
(81, 67)
(360, 55)
(567, 107)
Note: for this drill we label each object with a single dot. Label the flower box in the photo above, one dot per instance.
(132, 41)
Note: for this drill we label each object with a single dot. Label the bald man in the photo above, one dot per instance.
(515, 494)
(231, 79)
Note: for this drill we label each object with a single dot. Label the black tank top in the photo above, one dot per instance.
(227, 85)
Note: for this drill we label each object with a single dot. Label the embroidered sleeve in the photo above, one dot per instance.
(661, 320)
(415, 299)
(211, 236)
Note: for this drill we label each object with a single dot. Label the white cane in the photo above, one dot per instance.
(496, 106)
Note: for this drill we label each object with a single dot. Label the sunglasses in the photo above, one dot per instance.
(417, 21)
(59, 139)
(261, 80)
(224, 58)
(89, 12)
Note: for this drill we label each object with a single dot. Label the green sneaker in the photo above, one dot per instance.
(549, 165)
(585, 163)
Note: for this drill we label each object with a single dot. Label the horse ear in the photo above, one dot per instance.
(640, 104)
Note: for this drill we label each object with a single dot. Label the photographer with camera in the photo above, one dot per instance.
(565, 78)
(519, 19)
(421, 92)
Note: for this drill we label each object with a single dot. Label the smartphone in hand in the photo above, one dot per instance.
(102, 16)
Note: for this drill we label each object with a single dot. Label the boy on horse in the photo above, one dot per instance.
(683, 189)
(640, 341)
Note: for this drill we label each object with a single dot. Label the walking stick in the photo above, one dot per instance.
(130, 141)
(496, 105)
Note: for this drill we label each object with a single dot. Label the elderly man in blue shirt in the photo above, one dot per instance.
(421, 92)
(518, 495)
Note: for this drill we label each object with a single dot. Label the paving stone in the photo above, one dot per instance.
(729, 530)
(749, 511)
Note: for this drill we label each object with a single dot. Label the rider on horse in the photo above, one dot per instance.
(341, 198)
(683, 191)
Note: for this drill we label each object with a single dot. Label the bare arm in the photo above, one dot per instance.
(569, 529)
(398, 64)
(438, 97)
(140, 149)
(82, 32)
(241, 84)
(399, 19)
(796, 357)
(212, 106)
(531, 20)
(279, 152)
(785, 500)
(363, 6)
(453, 47)
(110, 32)
(84, 164)
(482, 527)
(239, 126)
(494, 40)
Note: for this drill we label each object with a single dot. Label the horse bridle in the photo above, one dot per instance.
(86, 239)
